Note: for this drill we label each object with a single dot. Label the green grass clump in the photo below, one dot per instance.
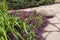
(7, 23)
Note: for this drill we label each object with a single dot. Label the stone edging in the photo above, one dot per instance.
(49, 10)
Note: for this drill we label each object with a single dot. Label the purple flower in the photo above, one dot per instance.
(25, 13)
(34, 21)
(11, 35)
(14, 11)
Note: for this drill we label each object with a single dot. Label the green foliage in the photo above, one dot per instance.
(7, 23)
(16, 4)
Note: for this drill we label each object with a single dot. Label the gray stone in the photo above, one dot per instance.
(58, 15)
(45, 34)
(58, 26)
(54, 20)
(53, 36)
(50, 27)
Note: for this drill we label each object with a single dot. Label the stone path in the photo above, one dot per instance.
(52, 31)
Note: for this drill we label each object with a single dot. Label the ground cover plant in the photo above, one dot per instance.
(21, 25)
(19, 4)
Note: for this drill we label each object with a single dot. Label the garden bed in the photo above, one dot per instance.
(34, 24)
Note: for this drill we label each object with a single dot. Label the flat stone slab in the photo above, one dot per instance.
(58, 15)
(54, 20)
(53, 36)
(45, 34)
(50, 27)
(58, 26)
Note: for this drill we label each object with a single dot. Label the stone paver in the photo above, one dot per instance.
(53, 36)
(58, 25)
(54, 20)
(58, 15)
(50, 27)
(45, 34)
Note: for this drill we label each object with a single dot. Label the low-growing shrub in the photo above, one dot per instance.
(17, 4)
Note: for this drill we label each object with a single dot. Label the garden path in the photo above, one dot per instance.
(52, 30)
